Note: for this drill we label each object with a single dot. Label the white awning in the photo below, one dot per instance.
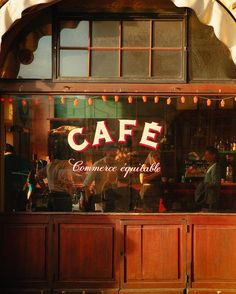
(220, 14)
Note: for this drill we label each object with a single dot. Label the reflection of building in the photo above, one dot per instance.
(72, 63)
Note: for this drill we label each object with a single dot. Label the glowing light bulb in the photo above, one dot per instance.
(90, 101)
(144, 99)
(195, 99)
(235, 98)
(104, 98)
(37, 101)
(182, 99)
(50, 98)
(222, 103)
(156, 99)
(63, 101)
(168, 101)
(208, 102)
(10, 99)
(130, 99)
(76, 102)
(24, 102)
(2, 99)
(116, 98)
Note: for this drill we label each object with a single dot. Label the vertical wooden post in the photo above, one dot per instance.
(2, 143)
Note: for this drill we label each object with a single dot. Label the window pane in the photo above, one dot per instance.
(167, 64)
(37, 64)
(105, 63)
(74, 63)
(136, 34)
(167, 33)
(135, 64)
(105, 34)
(74, 33)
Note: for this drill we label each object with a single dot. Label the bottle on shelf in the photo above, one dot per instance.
(229, 173)
(220, 146)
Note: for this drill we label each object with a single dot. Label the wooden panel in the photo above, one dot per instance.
(213, 251)
(152, 291)
(211, 291)
(86, 252)
(25, 291)
(86, 291)
(24, 251)
(154, 255)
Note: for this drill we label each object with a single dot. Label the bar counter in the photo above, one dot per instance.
(117, 253)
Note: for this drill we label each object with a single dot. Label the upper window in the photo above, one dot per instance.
(139, 49)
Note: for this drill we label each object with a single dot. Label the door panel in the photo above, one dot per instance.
(154, 255)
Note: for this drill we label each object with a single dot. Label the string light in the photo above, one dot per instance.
(156, 99)
(10, 100)
(2, 99)
(76, 102)
(222, 103)
(195, 99)
(130, 99)
(104, 98)
(144, 99)
(50, 98)
(182, 99)
(116, 98)
(208, 102)
(90, 101)
(23, 102)
(168, 101)
(63, 101)
(36, 102)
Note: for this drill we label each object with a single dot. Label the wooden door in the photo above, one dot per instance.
(154, 254)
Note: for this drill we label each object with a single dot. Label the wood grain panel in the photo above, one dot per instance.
(211, 291)
(155, 255)
(152, 291)
(86, 291)
(214, 255)
(23, 252)
(86, 252)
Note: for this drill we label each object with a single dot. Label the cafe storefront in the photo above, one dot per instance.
(110, 107)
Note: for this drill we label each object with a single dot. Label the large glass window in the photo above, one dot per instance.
(114, 153)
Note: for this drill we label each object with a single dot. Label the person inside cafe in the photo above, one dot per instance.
(151, 191)
(208, 191)
(16, 173)
(61, 178)
(98, 180)
(122, 198)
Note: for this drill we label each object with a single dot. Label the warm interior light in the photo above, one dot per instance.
(168, 101)
(63, 101)
(50, 98)
(235, 98)
(156, 99)
(195, 99)
(182, 98)
(24, 102)
(130, 99)
(104, 98)
(76, 102)
(208, 102)
(2, 99)
(144, 99)
(222, 103)
(10, 99)
(90, 101)
(116, 98)
(37, 101)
